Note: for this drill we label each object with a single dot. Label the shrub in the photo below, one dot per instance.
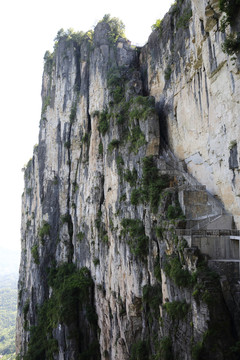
(80, 236)
(153, 183)
(165, 349)
(131, 177)
(114, 77)
(96, 261)
(139, 351)
(181, 277)
(123, 198)
(71, 291)
(70, 287)
(116, 28)
(35, 254)
(159, 232)
(120, 164)
(113, 145)
(167, 72)
(48, 61)
(152, 296)
(197, 350)
(231, 8)
(103, 122)
(184, 19)
(101, 228)
(174, 212)
(100, 148)
(67, 144)
(231, 44)
(44, 230)
(29, 191)
(157, 25)
(118, 94)
(136, 139)
(137, 241)
(66, 218)
(176, 309)
(46, 103)
(136, 197)
(142, 107)
(86, 138)
(73, 113)
(157, 269)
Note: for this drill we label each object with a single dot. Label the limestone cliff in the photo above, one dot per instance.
(131, 197)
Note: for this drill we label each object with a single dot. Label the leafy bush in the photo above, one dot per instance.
(86, 138)
(100, 148)
(231, 8)
(118, 94)
(66, 218)
(153, 183)
(159, 232)
(142, 107)
(116, 28)
(70, 34)
(184, 19)
(44, 230)
(138, 241)
(176, 309)
(103, 124)
(174, 212)
(231, 44)
(167, 72)
(181, 277)
(71, 291)
(152, 296)
(46, 103)
(136, 139)
(80, 236)
(116, 83)
(101, 228)
(197, 350)
(131, 177)
(140, 351)
(113, 145)
(73, 113)
(157, 25)
(96, 261)
(165, 349)
(35, 254)
(136, 197)
(48, 61)
(120, 164)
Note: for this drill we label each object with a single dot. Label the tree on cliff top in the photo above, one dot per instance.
(116, 25)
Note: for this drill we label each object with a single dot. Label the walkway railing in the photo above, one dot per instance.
(203, 232)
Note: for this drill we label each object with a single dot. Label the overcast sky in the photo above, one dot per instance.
(27, 31)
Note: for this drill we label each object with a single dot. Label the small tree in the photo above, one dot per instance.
(117, 27)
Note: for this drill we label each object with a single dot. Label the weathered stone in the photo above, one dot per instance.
(107, 178)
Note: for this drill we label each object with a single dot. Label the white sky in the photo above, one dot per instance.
(27, 30)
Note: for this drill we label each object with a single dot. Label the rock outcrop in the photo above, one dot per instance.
(132, 188)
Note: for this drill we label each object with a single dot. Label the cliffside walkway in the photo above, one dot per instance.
(222, 246)
(208, 232)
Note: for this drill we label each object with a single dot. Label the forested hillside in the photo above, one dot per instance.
(8, 302)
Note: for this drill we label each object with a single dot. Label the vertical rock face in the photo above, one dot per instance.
(105, 272)
(196, 88)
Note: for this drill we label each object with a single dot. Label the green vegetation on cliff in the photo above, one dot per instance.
(71, 294)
